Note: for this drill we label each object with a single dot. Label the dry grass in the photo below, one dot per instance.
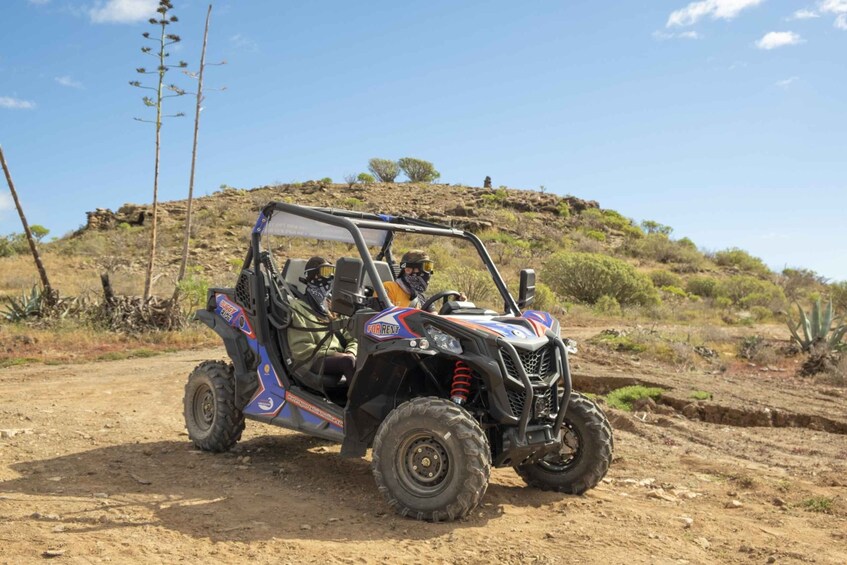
(74, 343)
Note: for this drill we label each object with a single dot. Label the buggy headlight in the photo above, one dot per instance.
(443, 340)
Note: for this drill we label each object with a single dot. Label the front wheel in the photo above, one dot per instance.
(431, 460)
(585, 455)
(213, 421)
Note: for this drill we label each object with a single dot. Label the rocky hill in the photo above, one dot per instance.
(522, 228)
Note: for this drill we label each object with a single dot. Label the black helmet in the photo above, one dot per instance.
(318, 268)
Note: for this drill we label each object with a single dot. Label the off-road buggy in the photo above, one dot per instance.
(440, 397)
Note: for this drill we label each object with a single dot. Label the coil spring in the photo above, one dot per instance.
(462, 376)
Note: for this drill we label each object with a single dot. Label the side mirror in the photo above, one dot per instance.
(526, 294)
(347, 294)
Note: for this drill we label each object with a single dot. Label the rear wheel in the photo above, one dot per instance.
(211, 417)
(585, 455)
(431, 460)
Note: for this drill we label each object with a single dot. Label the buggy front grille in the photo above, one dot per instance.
(538, 364)
(542, 402)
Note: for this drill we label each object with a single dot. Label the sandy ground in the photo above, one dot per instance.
(95, 466)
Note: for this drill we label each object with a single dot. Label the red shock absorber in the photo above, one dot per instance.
(462, 376)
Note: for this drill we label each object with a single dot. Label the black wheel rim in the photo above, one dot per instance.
(423, 464)
(569, 454)
(204, 406)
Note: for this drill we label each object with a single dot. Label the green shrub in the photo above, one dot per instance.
(761, 313)
(706, 287)
(6, 248)
(385, 170)
(545, 299)
(747, 291)
(619, 342)
(741, 260)
(325, 180)
(665, 278)
(475, 283)
(700, 395)
(821, 504)
(352, 202)
(800, 283)
(591, 217)
(586, 277)
(497, 197)
(685, 242)
(623, 398)
(14, 244)
(616, 221)
(193, 289)
(660, 248)
(674, 292)
(655, 228)
(596, 235)
(838, 293)
(365, 178)
(563, 209)
(418, 170)
(608, 305)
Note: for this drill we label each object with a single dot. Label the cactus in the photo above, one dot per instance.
(818, 328)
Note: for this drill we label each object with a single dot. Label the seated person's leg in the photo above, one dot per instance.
(336, 365)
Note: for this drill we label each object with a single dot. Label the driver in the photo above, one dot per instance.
(416, 269)
(309, 338)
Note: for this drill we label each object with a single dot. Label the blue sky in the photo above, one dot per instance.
(724, 119)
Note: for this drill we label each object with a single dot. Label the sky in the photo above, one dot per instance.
(724, 119)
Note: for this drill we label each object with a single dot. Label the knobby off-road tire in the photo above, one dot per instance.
(213, 421)
(586, 455)
(431, 460)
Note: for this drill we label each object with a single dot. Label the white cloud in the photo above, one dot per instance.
(803, 15)
(5, 202)
(775, 39)
(68, 81)
(122, 11)
(664, 36)
(715, 9)
(833, 6)
(841, 21)
(786, 82)
(16, 103)
(242, 42)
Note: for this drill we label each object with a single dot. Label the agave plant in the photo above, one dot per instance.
(18, 309)
(819, 329)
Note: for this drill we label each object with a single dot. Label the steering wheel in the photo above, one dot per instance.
(438, 296)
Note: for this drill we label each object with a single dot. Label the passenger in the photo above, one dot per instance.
(416, 269)
(333, 355)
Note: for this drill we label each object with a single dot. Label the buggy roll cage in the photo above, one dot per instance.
(354, 223)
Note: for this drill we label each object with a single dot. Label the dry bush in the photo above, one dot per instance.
(836, 375)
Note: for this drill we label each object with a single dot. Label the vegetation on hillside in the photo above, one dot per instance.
(591, 262)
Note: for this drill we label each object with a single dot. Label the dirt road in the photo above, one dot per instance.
(95, 466)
